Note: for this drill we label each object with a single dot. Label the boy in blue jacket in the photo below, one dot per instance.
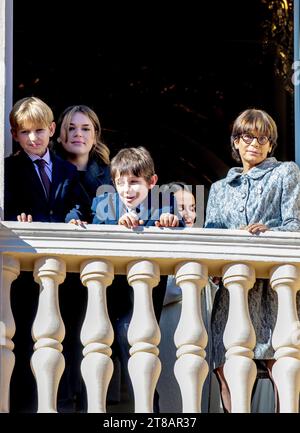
(136, 200)
(135, 203)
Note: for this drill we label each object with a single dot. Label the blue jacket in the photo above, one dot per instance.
(268, 193)
(108, 208)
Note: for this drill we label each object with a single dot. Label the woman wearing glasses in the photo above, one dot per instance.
(263, 194)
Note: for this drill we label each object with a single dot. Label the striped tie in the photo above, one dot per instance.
(45, 179)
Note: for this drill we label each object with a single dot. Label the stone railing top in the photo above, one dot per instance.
(215, 247)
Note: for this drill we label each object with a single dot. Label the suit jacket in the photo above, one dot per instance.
(24, 191)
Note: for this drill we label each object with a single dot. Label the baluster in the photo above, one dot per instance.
(48, 331)
(10, 270)
(239, 337)
(97, 333)
(191, 337)
(143, 334)
(285, 280)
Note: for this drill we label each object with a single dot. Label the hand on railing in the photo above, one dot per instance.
(78, 222)
(255, 228)
(167, 220)
(130, 220)
(23, 218)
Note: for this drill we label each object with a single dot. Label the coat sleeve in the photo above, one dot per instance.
(12, 198)
(105, 209)
(10, 211)
(290, 199)
(79, 204)
(213, 210)
(96, 217)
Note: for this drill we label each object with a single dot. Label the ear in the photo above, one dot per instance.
(236, 142)
(14, 134)
(52, 128)
(270, 148)
(153, 181)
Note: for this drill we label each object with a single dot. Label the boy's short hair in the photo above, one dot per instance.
(133, 160)
(30, 110)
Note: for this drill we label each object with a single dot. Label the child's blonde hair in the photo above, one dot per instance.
(32, 111)
(133, 160)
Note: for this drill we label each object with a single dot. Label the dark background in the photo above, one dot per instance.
(169, 76)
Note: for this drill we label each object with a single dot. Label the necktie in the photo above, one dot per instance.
(45, 179)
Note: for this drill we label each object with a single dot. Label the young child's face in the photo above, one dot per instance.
(80, 135)
(34, 139)
(132, 189)
(186, 206)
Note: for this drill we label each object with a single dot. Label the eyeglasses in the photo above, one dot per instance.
(261, 139)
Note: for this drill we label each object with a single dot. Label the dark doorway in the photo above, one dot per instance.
(171, 78)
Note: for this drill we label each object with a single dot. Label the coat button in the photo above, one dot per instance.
(244, 195)
(51, 212)
(241, 209)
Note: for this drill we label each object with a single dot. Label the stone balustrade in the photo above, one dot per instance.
(98, 253)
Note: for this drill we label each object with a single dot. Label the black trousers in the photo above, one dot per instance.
(121, 313)
(264, 371)
(24, 302)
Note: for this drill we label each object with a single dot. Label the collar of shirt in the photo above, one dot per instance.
(256, 172)
(46, 157)
(48, 166)
(143, 207)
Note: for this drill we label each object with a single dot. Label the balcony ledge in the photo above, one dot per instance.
(214, 247)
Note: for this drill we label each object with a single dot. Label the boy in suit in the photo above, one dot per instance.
(132, 205)
(39, 185)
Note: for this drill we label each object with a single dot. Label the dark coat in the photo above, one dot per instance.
(96, 175)
(23, 191)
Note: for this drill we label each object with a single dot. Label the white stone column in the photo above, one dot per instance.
(191, 337)
(143, 334)
(239, 337)
(48, 331)
(285, 280)
(97, 333)
(6, 86)
(10, 269)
